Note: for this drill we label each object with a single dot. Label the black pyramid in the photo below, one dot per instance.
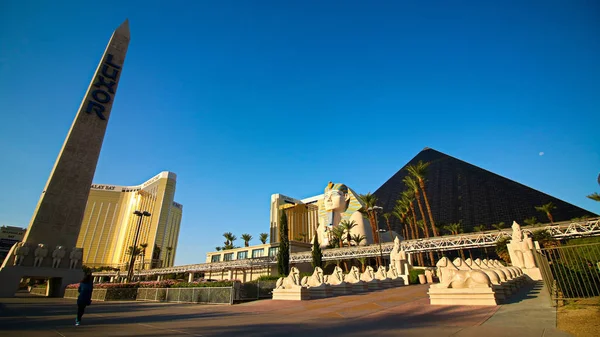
(462, 192)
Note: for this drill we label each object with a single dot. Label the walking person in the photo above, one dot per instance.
(86, 286)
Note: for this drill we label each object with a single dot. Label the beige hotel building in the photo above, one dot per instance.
(109, 224)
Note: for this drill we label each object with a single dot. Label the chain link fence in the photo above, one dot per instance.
(206, 295)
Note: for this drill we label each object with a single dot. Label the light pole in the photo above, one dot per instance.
(141, 215)
(380, 230)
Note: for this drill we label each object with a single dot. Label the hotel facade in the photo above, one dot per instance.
(109, 225)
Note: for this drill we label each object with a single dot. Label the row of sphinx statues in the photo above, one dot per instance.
(338, 283)
(40, 252)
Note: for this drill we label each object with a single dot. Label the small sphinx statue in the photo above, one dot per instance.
(21, 250)
(381, 274)
(292, 281)
(392, 272)
(336, 278)
(57, 255)
(452, 277)
(368, 275)
(75, 256)
(353, 275)
(315, 280)
(398, 258)
(40, 253)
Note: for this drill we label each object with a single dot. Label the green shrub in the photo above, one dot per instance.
(413, 275)
(269, 278)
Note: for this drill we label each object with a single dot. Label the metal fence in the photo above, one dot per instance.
(255, 290)
(571, 272)
(211, 295)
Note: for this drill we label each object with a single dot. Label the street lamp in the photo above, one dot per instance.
(141, 215)
(380, 230)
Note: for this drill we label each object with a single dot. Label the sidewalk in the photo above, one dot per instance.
(392, 312)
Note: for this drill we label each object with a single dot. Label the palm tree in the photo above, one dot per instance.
(454, 228)
(347, 227)
(419, 172)
(246, 238)
(228, 240)
(547, 208)
(363, 262)
(498, 226)
(338, 234)
(387, 216)
(400, 213)
(480, 228)
(409, 197)
(131, 250)
(143, 247)
(531, 221)
(370, 201)
(263, 238)
(218, 249)
(412, 184)
(358, 238)
(594, 196)
(423, 225)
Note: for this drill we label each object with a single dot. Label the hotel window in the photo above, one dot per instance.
(242, 255)
(257, 253)
(228, 257)
(215, 258)
(273, 251)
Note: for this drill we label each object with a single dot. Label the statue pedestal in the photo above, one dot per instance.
(341, 289)
(10, 277)
(534, 273)
(466, 296)
(374, 285)
(296, 294)
(387, 283)
(359, 287)
(320, 292)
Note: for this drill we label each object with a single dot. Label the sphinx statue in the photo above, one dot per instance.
(463, 265)
(381, 274)
(57, 255)
(75, 256)
(520, 248)
(341, 203)
(353, 275)
(336, 278)
(368, 275)
(21, 250)
(292, 281)
(315, 280)
(452, 277)
(40, 253)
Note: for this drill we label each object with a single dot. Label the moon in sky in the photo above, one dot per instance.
(541, 153)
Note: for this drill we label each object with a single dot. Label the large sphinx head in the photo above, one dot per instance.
(340, 199)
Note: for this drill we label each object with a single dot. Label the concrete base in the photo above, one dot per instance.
(10, 277)
(533, 273)
(387, 283)
(374, 285)
(399, 282)
(467, 296)
(296, 294)
(359, 287)
(320, 292)
(341, 289)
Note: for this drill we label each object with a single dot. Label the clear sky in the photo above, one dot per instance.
(243, 99)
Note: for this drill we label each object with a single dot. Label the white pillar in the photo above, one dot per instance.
(191, 277)
(230, 275)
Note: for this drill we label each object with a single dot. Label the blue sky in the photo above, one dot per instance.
(243, 99)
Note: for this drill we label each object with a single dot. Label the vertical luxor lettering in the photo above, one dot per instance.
(105, 84)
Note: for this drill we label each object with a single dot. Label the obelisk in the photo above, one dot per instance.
(59, 213)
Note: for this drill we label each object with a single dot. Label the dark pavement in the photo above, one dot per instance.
(400, 311)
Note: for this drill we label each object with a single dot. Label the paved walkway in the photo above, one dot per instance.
(401, 311)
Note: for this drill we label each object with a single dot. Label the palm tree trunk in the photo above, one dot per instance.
(373, 229)
(550, 218)
(418, 197)
(433, 228)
